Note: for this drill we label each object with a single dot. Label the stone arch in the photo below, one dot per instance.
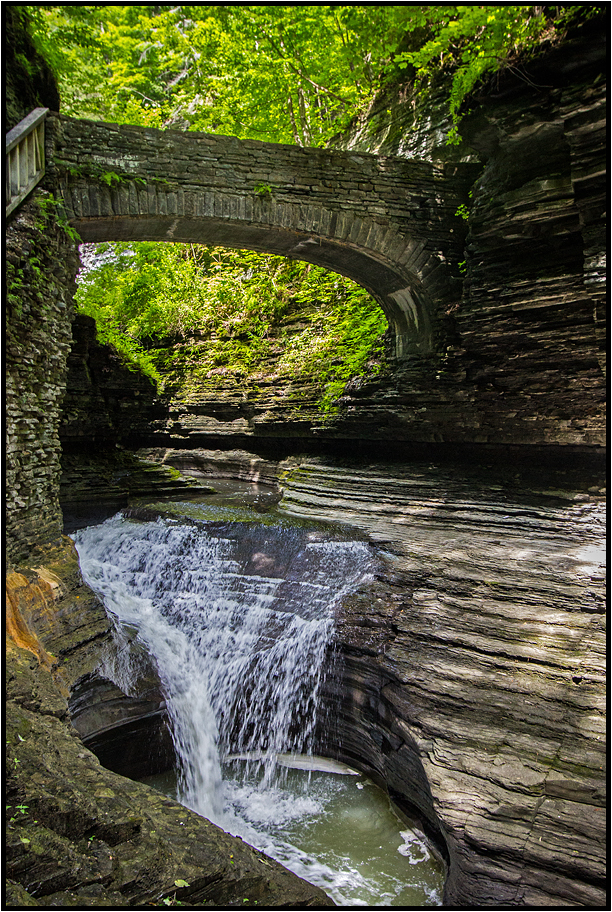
(380, 222)
(402, 299)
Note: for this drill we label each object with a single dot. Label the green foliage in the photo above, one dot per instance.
(343, 338)
(472, 42)
(68, 39)
(22, 808)
(110, 178)
(52, 209)
(289, 73)
(188, 315)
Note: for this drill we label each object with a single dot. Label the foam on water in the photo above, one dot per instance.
(335, 832)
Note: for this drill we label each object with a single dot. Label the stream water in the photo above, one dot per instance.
(237, 610)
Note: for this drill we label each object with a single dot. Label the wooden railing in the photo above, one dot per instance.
(25, 157)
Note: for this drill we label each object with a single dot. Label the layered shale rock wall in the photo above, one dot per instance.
(472, 679)
(105, 401)
(41, 263)
(527, 361)
(41, 266)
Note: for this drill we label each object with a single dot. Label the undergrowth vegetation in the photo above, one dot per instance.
(190, 315)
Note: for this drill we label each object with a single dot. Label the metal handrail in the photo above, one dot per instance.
(25, 157)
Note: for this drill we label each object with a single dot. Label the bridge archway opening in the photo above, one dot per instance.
(230, 311)
(402, 300)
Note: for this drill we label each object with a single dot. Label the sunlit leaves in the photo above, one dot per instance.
(279, 73)
(282, 73)
(470, 42)
(187, 314)
(70, 45)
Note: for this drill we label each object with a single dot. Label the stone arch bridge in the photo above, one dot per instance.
(388, 223)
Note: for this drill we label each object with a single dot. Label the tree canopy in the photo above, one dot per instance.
(281, 73)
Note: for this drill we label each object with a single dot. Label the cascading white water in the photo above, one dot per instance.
(238, 618)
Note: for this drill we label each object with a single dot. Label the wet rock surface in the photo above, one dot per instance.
(82, 835)
(472, 674)
(213, 464)
(94, 486)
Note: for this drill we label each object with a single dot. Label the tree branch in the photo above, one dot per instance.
(301, 73)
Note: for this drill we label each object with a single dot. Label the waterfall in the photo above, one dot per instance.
(238, 617)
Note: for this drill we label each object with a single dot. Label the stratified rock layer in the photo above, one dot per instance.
(473, 677)
(41, 262)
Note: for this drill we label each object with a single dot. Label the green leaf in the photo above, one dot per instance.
(181, 883)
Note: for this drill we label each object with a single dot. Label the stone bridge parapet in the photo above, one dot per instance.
(388, 223)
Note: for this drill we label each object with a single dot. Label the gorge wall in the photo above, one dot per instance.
(472, 670)
(477, 624)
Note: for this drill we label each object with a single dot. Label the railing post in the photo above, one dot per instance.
(25, 157)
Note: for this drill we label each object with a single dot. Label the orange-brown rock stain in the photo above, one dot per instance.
(26, 599)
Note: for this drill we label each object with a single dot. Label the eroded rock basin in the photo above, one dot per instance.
(236, 610)
(337, 830)
(473, 682)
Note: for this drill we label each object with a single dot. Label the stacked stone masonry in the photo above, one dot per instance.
(381, 221)
(41, 268)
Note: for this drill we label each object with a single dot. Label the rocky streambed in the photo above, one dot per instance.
(469, 682)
